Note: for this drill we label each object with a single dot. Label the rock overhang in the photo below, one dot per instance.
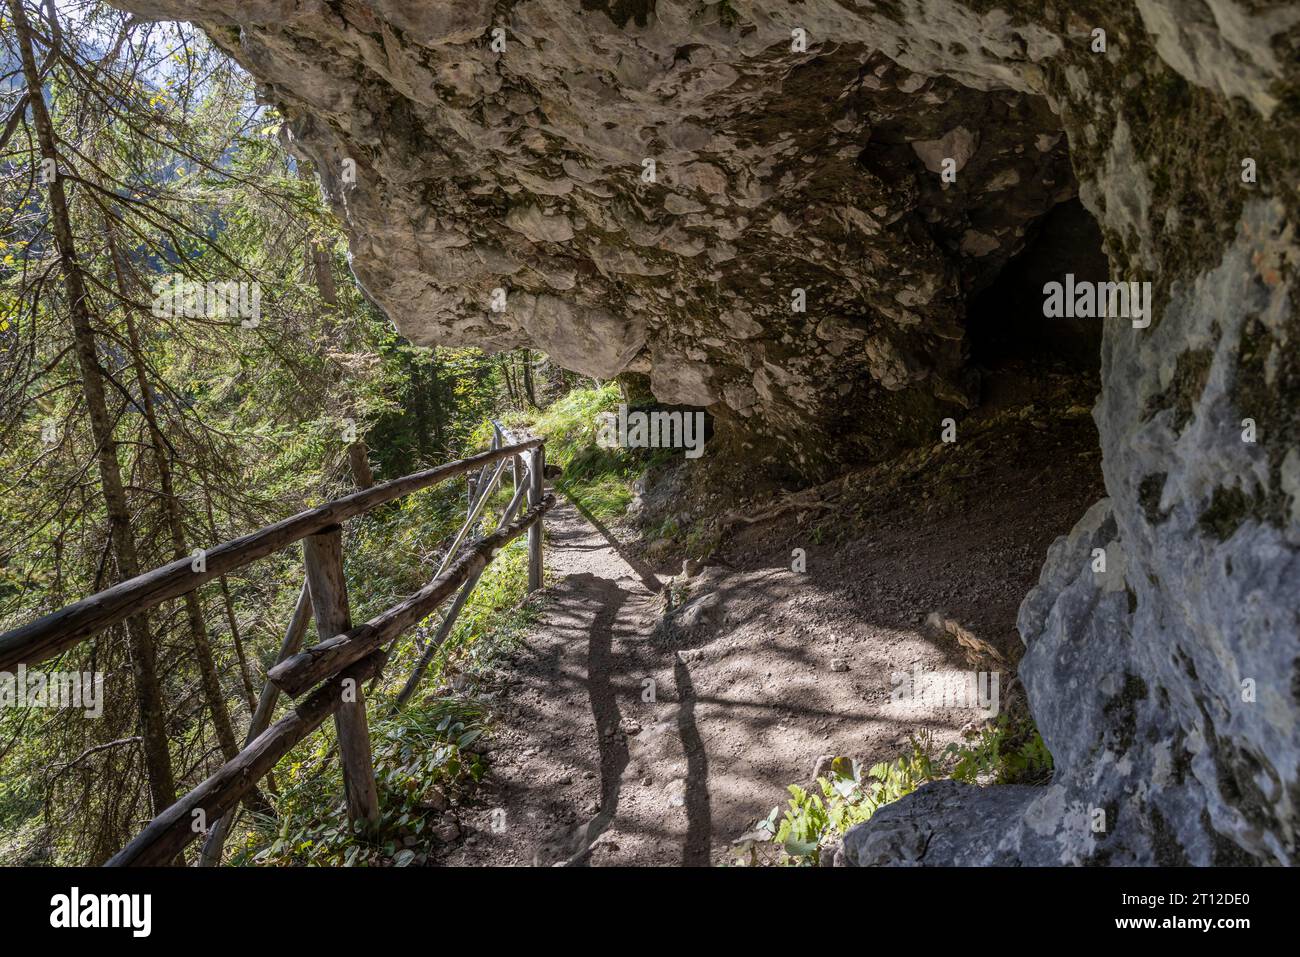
(479, 170)
(520, 162)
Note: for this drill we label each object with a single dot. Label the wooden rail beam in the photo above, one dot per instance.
(172, 830)
(342, 662)
(60, 630)
(302, 671)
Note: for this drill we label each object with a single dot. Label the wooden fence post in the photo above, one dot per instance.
(536, 491)
(323, 555)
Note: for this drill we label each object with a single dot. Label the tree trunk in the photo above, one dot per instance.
(319, 262)
(419, 381)
(162, 786)
(435, 394)
(510, 385)
(249, 694)
(359, 460)
(528, 378)
(322, 273)
(208, 675)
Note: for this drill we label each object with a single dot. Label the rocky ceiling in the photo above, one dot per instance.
(518, 165)
(520, 162)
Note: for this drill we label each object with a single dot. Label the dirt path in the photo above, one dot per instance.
(761, 673)
(561, 755)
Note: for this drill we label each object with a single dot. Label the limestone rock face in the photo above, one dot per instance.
(651, 183)
(1166, 686)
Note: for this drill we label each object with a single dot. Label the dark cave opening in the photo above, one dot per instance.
(1026, 461)
(1005, 320)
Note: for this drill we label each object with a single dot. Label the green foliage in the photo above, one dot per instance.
(1009, 751)
(173, 171)
(432, 402)
(420, 757)
(847, 797)
(423, 753)
(571, 422)
(598, 479)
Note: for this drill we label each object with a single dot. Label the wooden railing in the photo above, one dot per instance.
(327, 678)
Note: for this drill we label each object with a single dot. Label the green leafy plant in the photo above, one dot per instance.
(598, 479)
(422, 760)
(848, 796)
(1008, 751)
(424, 754)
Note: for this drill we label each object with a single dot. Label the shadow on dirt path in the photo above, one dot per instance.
(699, 822)
(611, 746)
(625, 733)
(620, 741)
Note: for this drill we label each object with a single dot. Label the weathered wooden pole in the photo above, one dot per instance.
(62, 629)
(323, 554)
(169, 833)
(300, 673)
(216, 839)
(537, 490)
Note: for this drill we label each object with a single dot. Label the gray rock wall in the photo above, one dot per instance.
(775, 170)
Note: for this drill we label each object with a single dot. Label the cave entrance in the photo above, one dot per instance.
(1030, 455)
(1005, 321)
